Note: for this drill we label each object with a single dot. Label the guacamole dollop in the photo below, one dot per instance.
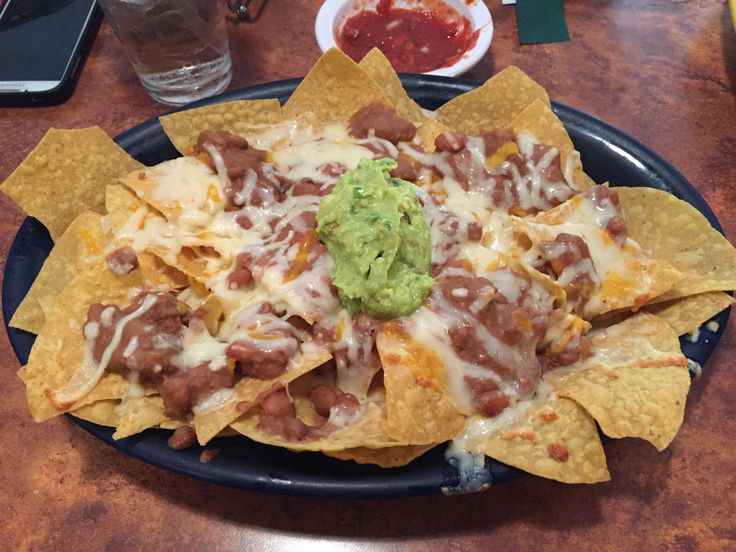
(375, 231)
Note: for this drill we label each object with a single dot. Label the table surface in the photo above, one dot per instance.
(663, 71)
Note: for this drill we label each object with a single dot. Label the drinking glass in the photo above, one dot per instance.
(179, 48)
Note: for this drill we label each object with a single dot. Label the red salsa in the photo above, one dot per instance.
(414, 40)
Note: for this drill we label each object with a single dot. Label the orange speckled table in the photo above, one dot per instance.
(662, 70)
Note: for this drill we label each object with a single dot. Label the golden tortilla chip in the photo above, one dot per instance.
(202, 257)
(485, 262)
(46, 302)
(138, 415)
(77, 251)
(172, 424)
(686, 314)
(418, 409)
(556, 439)
(210, 422)
(188, 265)
(120, 204)
(101, 412)
(428, 131)
(195, 181)
(334, 89)
(66, 174)
(648, 403)
(635, 385)
(158, 274)
(213, 313)
(629, 278)
(58, 350)
(192, 262)
(493, 105)
(641, 337)
(366, 431)
(380, 70)
(539, 119)
(390, 457)
(238, 117)
(673, 230)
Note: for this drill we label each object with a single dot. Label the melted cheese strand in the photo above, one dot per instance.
(85, 378)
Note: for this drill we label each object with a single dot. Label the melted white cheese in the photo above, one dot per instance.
(198, 347)
(184, 181)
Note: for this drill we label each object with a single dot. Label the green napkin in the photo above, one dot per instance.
(541, 21)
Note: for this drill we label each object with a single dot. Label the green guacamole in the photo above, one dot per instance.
(375, 230)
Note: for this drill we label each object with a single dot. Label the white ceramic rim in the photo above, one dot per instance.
(476, 11)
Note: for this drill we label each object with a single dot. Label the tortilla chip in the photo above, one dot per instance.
(539, 119)
(687, 314)
(556, 439)
(209, 423)
(46, 302)
(77, 251)
(238, 117)
(493, 105)
(635, 385)
(418, 410)
(66, 174)
(197, 261)
(214, 312)
(101, 412)
(632, 402)
(189, 262)
(140, 414)
(629, 283)
(428, 131)
(58, 350)
(367, 431)
(334, 89)
(380, 70)
(485, 262)
(193, 262)
(390, 457)
(677, 232)
(158, 274)
(172, 424)
(193, 177)
(643, 336)
(120, 203)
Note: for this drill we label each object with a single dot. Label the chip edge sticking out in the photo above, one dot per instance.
(65, 174)
(687, 314)
(379, 68)
(100, 286)
(671, 229)
(481, 109)
(237, 117)
(73, 253)
(209, 423)
(640, 354)
(419, 410)
(556, 439)
(334, 89)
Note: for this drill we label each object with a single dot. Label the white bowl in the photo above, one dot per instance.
(333, 14)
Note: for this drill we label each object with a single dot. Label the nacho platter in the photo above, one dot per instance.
(431, 475)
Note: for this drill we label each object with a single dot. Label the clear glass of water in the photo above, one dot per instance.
(179, 48)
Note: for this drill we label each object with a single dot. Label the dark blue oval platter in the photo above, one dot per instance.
(607, 154)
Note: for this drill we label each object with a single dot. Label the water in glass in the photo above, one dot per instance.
(179, 48)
